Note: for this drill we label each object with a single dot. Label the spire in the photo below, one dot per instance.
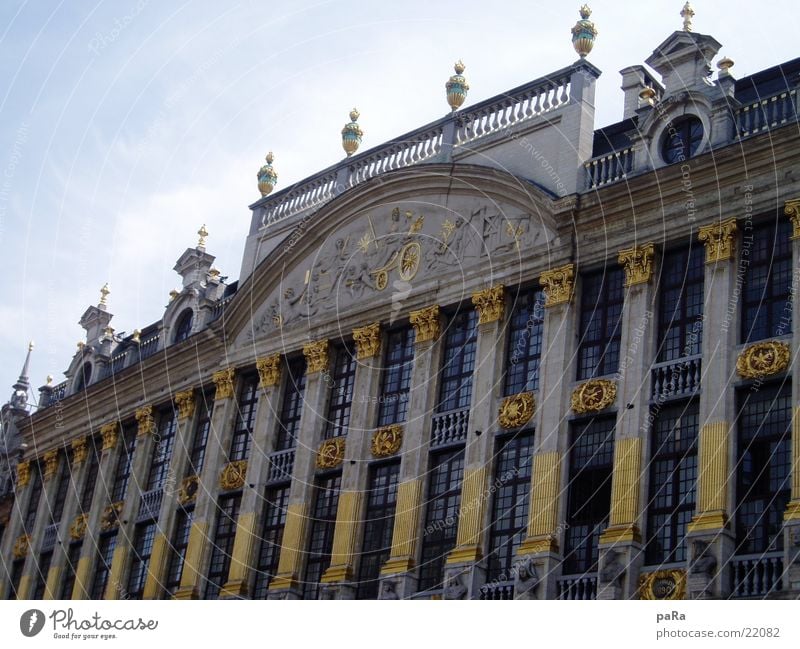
(19, 398)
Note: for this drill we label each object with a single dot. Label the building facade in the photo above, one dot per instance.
(505, 355)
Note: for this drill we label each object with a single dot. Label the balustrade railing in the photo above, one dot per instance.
(609, 168)
(281, 464)
(149, 346)
(150, 504)
(678, 378)
(450, 427)
(49, 537)
(577, 587)
(757, 575)
(497, 590)
(766, 114)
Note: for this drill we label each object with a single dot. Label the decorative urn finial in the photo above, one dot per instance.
(687, 13)
(267, 178)
(104, 292)
(202, 233)
(352, 134)
(724, 65)
(584, 32)
(136, 337)
(457, 87)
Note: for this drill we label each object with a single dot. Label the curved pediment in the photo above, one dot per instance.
(376, 245)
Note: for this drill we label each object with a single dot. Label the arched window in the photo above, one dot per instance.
(183, 328)
(682, 140)
(84, 375)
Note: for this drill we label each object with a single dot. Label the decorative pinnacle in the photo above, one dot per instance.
(49, 379)
(585, 12)
(725, 65)
(270, 158)
(687, 13)
(173, 294)
(30, 346)
(202, 233)
(459, 67)
(104, 292)
(354, 115)
(135, 336)
(352, 134)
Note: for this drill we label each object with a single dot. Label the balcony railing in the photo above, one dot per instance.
(609, 168)
(149, 346)
(219, 308)
(281, 464)
(678, 378)
(150, 504)
(450, 427)
(497, 590)
(50, 537)
(766, 114)
(577, 587)
(757, 575)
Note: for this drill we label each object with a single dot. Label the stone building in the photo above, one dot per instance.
(507, 354)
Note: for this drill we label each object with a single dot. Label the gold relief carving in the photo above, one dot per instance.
(50, 464)
(594, 395)
(233, 475)
(77, 529)
(110, 517)
(269, 370)
(719, 240)
(223, 382)
(188, 491)
(21, 546)
(80, 450)
(368, 340)
(387, 441)
(763, 359)
(490, 303)
(792, 210)
(185, 402)
(330, 453)
(516, 410)
(109, 433)
(663, 585)
(23, 474)
(316, 354)
(145, 423)
(558, 284)
(426, 323)
(406, 260)
(638, 263)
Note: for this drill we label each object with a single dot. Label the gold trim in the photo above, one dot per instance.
(792, 512)
(516, 410)
(489, 303)
(594, 395)
(236, 584)
(316, 354)
(80, 451)
(712, 476)
(185, 403)
(190, 485)
(145, 423)
(763, 359)
(109, 519)
(792, 210)
(53, 579)
(269, 370)
(50, 464)
(21, 546)
(625, 482)
(223, 383)
(470, 516)
(291, 557)
(541, 544)
(77, 529)
(115, 587)
(651, 585)
(387, 441)
(23, 473)
(638, 263)
(232, 475)
(344, 538)
(545, 488)
(331, 453)
(368, 341)
(426, 323)
(559, 284)
(406, 519)
(719, 240)
(155, 573)
(795, 446)
(110, 433)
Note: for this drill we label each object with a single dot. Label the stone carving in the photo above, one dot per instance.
(387, 441)
(638, 263)
(110, 516)
(454, 588)
(703, 560)
(80, 451)
(316, 354)
(388, 590)
(792, 210)
(763, 359)
(50, 464)
(426, 323)
(223, 382)
(144, 420)
(594, 395)
(490, 304)
(77, 529)
(526, 578)
(269, 370)
(109, 433)
(516, 410)
(330, 453)
(185, 402)
(368, 341)
(232, 475)
(23, 474)
(614, 569)
(558, 285)
(719, 240)
(188, 491)
(663, 585)
(21, 546)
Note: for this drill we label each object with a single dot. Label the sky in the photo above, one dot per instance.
(125, 126)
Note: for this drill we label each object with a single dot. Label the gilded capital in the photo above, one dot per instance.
(368, 340)
(23, 473)
(719, 240)
(109, 432)
(50, 464)
(489, 303)
(316, 354)
(77, 529)
(144, 421)
(80, 450)
(223, 382)
(269, 370)
(792, 210)
(185, 403)
(638, 263)
(21, 546)
(558, 284)
(426, 323)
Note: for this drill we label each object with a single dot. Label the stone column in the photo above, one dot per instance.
(464, 564)
(540, 548)
(287, 584)
(198, 549)
(717, 412)
(248, 525)
(360, 446)
(623, 536)
(397, 574)
(13, 541)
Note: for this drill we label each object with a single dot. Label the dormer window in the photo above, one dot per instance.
(183, 328)
(682, 140)
(84, 375)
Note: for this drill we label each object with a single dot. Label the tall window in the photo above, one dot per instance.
(162, 451)
(35, 497)
(271, 537)
(64, 479)
(512, 477)
(123, 473)
(589, 498)
(180, 541)
(763, 467)
(68, 581)
(222, 546)
(341, 392)
(524, 343)
(17, 568)
(458, 362)
(396, 380)
(102, 568)
(680, 310)
(441, 517)
(379, 515)
(292, 406)
(197, 453)
(245, 419)
(91, 476)
(766, 305)
(320, 535)
(183, 329)
(602, 295)
(42, 568)
(143, 538)
(673, 479)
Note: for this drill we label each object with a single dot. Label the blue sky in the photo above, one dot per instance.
(125, 126)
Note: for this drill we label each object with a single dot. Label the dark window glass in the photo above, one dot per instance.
(71, 565)
(222, 547)
(320, 535)
(143, 538)
(602, 295)
(680, 310)
(509, 523)
(682, 140)
(673, 479)
(184, 327)
(292, 406)
(763, 468)
(123, 473)
(245, 419)
(42, 568)
(102, 569)
(378, 526)
(340, 387)
(441, 517)
(16, 576)
(64, 480)
(163, 444)
(766, 286)
(589, 499)
(197, 454)
(35, 497)
(396, 377)
(524, 343)
(91, 475)
(271, 536)
(180, 541)
(84, 376)
(458, 361)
